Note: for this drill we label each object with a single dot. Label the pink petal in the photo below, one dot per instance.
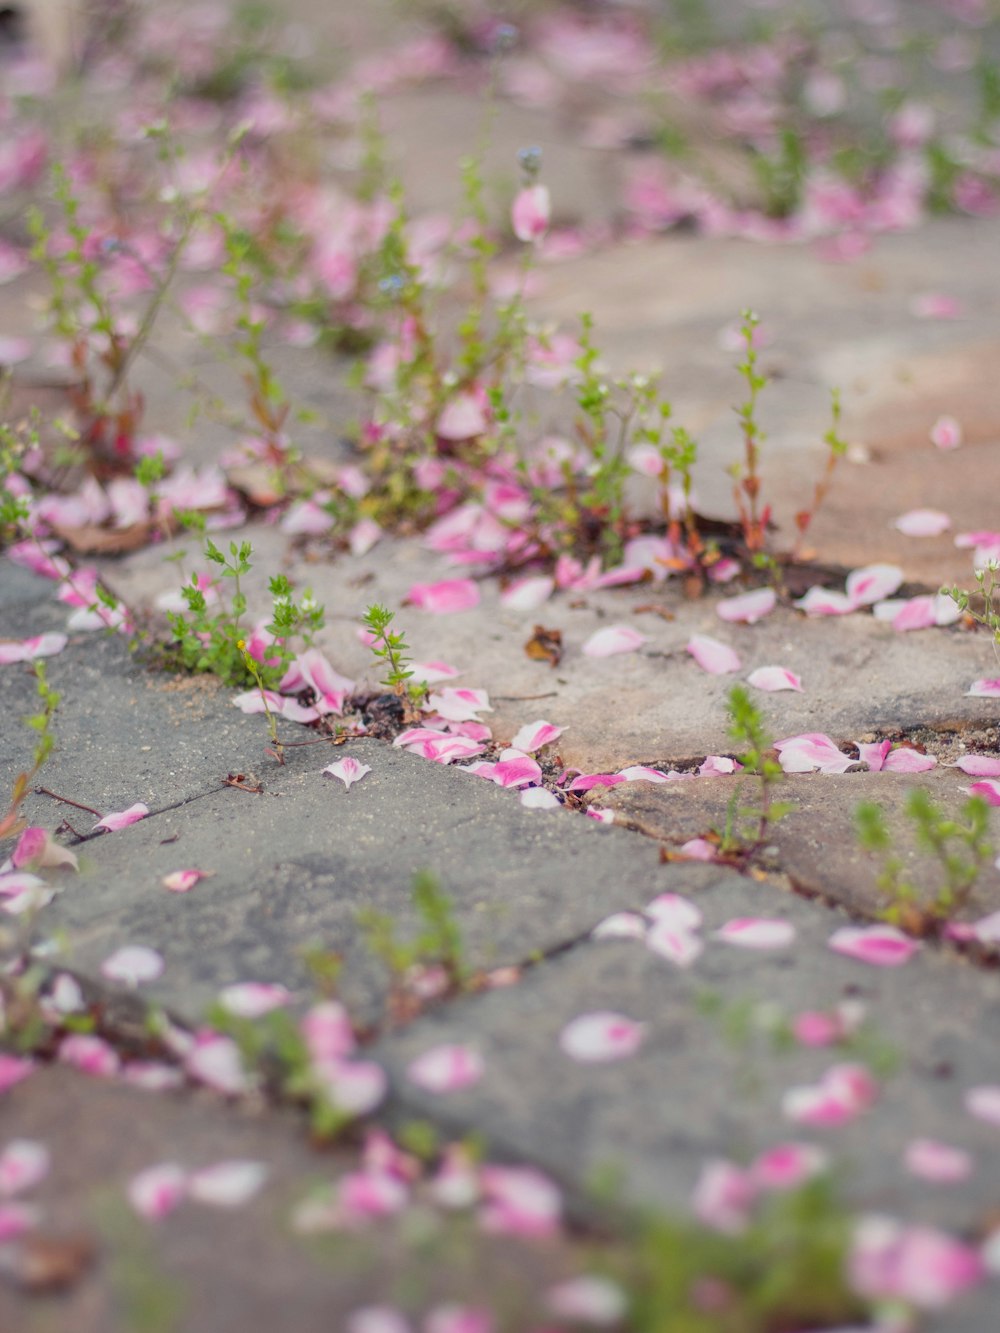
(531, 213)
(587, 781)
(153, 1076)
(348, 770)
(537, 798)
(459, 1319)
(519, 1201)
(913, 1265)
(675, 910)
(462, 418)
(535, 735)
(986, 929)
(825, 602)
(640, 773)
(90, 1054)
(588, 1300)
(716, 766)
(620, 926)
(872, 583)
(446, 1068)
(599, 1037)
(613, 639)
(327, 1032)
(774, 678)
(723, 1197)
(712, 656)
(37, 847)
(363, 536)
(752, 932)
(698, 849)
(749, 607)
(158, 1190)
(516, 772)
(882, 946)
(13, 1068)
(354, 1086)
(527, 594)
(984, 1104)
(251, 999)
(429, 673)
(922, 523)
(16, 1219)
(42, 645)
(787, 1166)
(227, 1184)
(985, 689)
(873, 754)
(122, 819)
(946, 433)
(459, 704)
(182, 881)
(377, 1319)
(678, 944)
(23, 1163)
(843, 1093)
(133, 964)
(988, 789)
(812, 750)
(216, 1062)
(905, 760)
(938, 1162)
(976, 765)
(444, 598)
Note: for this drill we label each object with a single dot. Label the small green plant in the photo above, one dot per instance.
(437, 945)
(836, 448)
(748, 826)
(984, 605)
(11, 823)
(961, 847)
(389, 646)
(745, 472)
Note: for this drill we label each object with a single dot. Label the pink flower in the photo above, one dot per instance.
(600, 1037)
(712, 656)
(531, 213)
(882, 946)
(444, 598)
(90, 1054)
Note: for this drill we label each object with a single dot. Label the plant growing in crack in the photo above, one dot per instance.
(748, 826)
(11, 823)
(389, 647)
(983, 605)
(962, 848)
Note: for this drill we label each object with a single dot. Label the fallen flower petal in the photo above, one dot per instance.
(227, 1184)
(444, 598)
(976, 765)
(459, 1319)
(825, 602)
(527, 594)
(620, 926)
(519, 1201)
(712, 656)
(182, 881)
(788, 1165)
(92, 1055)
(914, 1264)
(27, 650)
(588, 1300)
(377, 1319)
(537, 798)
(13, 1068)
(586, 781)
(751, 932)
(429, 673)
(810, 751)
(23, 1163)
(985, 689)
(937, 1162)
(872, 583)
(904, 759)
(922, 523)
(946, 433)
(882, 946)
(457, 704)
(678, 944)
(123, 818)
(133, 964)
(353, 1086)
(674, 910)
(535, 735)
(446, 1068)
(348, 770)
(516, 772)
(984, 1104)
(749, 607)
(613, 639)
(988, 789)
(843, 1093)
(158, 1190)
(698, 849)
(599, 1037)
(640, 773)
(774, 678)
(37, 848)
(216, 1062)
(531, 212)
(723, 1197)
(251, 999)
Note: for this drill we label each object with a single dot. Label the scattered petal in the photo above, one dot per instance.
(937, 1162)
(377, 1319)
(712, 656)
(251, 999)
(158, 1190)
(444, 598)
(882, 946)
(348, 770)
(640, 773)
(123, 818)
(976, 765)
(984, 1104)
(37, 848)
(535, 735)
(429, 673)
(13, 1068)
(599, 1037)
(988, 789)
(446, 1068)
(527, 594)
(216, 1062)
(723, 1197)
(985, 689)
(677, 943)
(519, 1201)
(872, 583)
(613, 639)
(588, 1300)
(749, 607)
(811, 751)
(227, 1184)
(922, 523)
(27, 650)
(915, 1265)
(537, 798)
(788, 1165)
(843, 1093)
(133, 964)
(620, 926)
(946, 433)
(751, 932)
(90, 1054)
(23, 1163)
(774, 678)
(182, 881)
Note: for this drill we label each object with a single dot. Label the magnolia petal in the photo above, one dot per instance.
(157, 1190)
(825, 602)
(216, 1062)
(723, 1197)
(23, 1163)
(716, 766)
(90, 1054)
(903, 759)
(531, 212)
(976, 765)
(587, 781)
(538, 798)
(872, 583)
(843, 1093)
(599, 1037)
(27, 650)
(788, 1165)
(751, 932)
(613, 639)
(528, 594)
(620, 926)
(874, 754)
(937, 1162)
(446, 1068)
(946, 433)
(985, 689)
(674, 910)
(774, 678)
(459, 704)
(251, 999)
(429, 673)
(986, 929)
(698, 849)
(37, 847)
(182, 881)
(516, 772)
(749, 607)
(811, 751)
(677, 944)
(348, 770)
(640, 773)
(988, 789)
(882, 946)
(122, 818)
(354, 1086)
(588, 1300)
(535, 735)
(227, 1184)
(133, 964)
(444, 598)
(13, 1068)
(922, 523)
(712, 656)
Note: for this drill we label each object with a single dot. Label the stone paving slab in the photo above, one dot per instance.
(816, 845)
(293, 866)
(230, 1270)
(692, 1093)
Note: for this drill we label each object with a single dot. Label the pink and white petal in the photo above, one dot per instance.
(354, 1086)
(349, 770)
(674, 910)
(677, 944)
(874, 754)
(984, 1103)
(988, 789)
(92, 1055)
(44, 645)
(123, 818)
(985, 689)
(640, 773)
(253, 701)
(327, 1032)
(922, 523)
(251, 999)
(447, 1068)
(535, 735)
(788, 1165)
(587, 781)
(527, 594)
(903, 759)
(444, 598)
(517, 772)
(620, 926)
(881, 946)
(749, 607)
(751, 932)
(825, 602)
(227, 1184)
(23, 1163)
(613, 639)
(912, 613)
(774, 678)
(976, 765)
(519, 1201)
(712, 656)
(157, 1190)
(182, 881)
(459, 704)
(429, 673)
(216, 1062)
(723, 1197)
(938, 1162)
(153, 1076)
(588, 1300)
(810, 751)
(717, 766)
(16, 1219)
(13, 1069)
(601, 1037)
(946, 433)
(601, 815)
(133, 964)
(872, 583)
(698, 849)
(453, 1318)
(986, 929)
(537, 798)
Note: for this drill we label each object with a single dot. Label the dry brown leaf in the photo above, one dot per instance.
(36, 1262)
(92, 539)
(545, 645)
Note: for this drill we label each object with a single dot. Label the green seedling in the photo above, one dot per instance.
(983, 606)
(748, 826)
(391, 649)
(11, 822)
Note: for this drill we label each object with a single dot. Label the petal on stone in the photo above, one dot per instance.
(922, 523)
(873, 583)
(122, 818)
(881, 946)
(985, 689)
(774, 678)
(534, 735)
(446, 1068)
(712, 656)
(182, 881)
(749, 607)
(133, 964)
(227, 1184)
(601, 1037)
(613, 639)
(157, 1190)
(23, 1163)
(445, 597)
(528, 594)
(984, 1104)
(251, 999)
(937, 1162)
(750, 932)
(349, 770)
(537, 798)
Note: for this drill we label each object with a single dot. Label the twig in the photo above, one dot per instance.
(44, 791)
